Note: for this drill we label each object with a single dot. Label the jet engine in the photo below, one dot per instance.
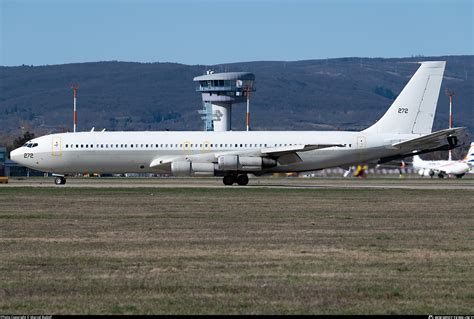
(244, 163)
(185, 168)
(426, 172)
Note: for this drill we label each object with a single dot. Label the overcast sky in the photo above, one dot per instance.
(36, 32)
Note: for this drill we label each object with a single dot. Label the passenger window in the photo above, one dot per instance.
(131, 145)
(66, 146)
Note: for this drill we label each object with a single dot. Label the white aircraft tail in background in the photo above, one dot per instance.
(469, 159)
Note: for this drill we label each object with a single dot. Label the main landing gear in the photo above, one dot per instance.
(241, 179)
(60, 180)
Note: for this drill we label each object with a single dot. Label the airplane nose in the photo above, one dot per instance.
(15, 155)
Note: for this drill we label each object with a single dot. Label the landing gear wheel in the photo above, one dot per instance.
(228, 179)
(440, 175)
(242, 180)
(60, 180)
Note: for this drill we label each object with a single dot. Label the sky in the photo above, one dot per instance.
(209, 32)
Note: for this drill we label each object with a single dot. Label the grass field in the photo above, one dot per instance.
(236, 251)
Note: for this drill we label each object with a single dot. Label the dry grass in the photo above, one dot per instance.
(236, 251)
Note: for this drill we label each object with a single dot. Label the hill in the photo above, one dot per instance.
(345, 94)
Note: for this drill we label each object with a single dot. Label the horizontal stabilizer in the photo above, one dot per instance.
(452, 137)
(439, 141)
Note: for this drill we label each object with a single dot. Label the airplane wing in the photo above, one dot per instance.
(284, 155)
(164, 162)
(289, 154)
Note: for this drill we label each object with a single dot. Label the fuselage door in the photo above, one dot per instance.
(361, 142)
(56, 150)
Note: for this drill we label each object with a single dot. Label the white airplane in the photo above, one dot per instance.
(445, 168)
(470, 158)
(404, 128)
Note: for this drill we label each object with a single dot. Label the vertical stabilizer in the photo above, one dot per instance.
(414, 109)
(417, 161)
(470, 155)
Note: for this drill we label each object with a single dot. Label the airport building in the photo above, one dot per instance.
(220, 91)
(3, 157)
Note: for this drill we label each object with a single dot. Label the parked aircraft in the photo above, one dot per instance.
(404, 128)
(445, 168)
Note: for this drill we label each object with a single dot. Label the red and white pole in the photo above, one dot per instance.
(75, 87)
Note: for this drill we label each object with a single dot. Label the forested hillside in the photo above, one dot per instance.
(347, 93)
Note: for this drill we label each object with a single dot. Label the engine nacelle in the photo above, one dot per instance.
(426, 172)
(244, 163)
(185, 168)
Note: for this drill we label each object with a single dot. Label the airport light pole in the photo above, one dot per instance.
(248, 108)
(75, 88)
(450, 93)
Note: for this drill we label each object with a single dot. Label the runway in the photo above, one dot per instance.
(265, 182)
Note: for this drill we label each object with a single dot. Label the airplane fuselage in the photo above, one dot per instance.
(132, 152)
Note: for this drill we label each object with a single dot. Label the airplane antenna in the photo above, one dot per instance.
(75, 87)
(450, 93)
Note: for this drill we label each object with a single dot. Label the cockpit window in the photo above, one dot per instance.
(30, 145)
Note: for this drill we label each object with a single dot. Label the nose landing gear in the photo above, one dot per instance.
(60, 180)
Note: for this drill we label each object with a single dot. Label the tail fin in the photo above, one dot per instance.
(417, 160)
(470, 155)
(413, 110)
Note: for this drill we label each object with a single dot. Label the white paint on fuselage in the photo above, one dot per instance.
(147, 146)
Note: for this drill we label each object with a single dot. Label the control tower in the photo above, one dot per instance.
(221, 90)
